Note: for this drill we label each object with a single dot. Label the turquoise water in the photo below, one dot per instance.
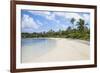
(36, 47)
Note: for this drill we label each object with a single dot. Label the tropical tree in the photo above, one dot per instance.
(80, 25)
(72, 21)
(68, 29)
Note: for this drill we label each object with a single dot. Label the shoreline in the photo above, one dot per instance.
(65, 50)
(78, 40)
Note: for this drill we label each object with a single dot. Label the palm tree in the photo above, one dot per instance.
(72, 21)
(68, 29)
(81, 25)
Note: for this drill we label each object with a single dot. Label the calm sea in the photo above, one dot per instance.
(36, 47)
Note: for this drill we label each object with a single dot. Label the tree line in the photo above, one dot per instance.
(79, 30)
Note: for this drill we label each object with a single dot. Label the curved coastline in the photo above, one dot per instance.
(65, 50)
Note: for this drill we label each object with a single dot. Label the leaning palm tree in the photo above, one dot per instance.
(72, 21)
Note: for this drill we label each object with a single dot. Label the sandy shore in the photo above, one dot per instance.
(65, 50)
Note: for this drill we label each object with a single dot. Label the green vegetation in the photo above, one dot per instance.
(81, 32)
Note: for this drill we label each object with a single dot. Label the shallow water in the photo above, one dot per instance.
(33, 48)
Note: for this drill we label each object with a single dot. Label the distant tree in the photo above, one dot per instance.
(50, 31)
(60, 32)
(69, 29)
(72, 21)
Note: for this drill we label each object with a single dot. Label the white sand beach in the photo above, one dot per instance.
(65, 50)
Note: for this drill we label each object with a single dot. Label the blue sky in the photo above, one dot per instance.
(40, 21)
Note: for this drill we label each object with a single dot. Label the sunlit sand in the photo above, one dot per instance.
(65, 50)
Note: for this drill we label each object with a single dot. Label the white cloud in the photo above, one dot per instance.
(47, 14)
(73, 15)
(57, 21)
(50, 17)
(28, 22)
(60, 13)
(40, 12)
(69, 15)
(40, 23)
(86, 18)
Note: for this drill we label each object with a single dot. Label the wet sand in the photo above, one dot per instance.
(65, 50)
